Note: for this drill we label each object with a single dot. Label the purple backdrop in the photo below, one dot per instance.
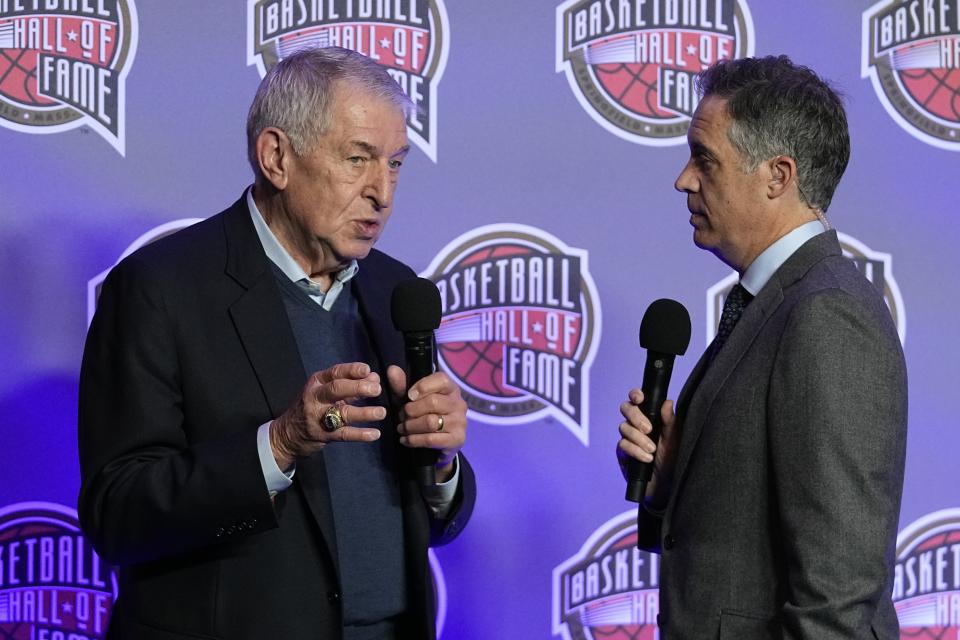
(522, 127)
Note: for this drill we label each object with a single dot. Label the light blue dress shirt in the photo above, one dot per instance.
(767, 263)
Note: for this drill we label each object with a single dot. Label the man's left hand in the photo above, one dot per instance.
(434, 416)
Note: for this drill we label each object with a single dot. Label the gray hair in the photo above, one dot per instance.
(296, 94)
(779, 108)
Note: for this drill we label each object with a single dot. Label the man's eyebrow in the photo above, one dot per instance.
(698, 147)
(365, 146)
(375, 151)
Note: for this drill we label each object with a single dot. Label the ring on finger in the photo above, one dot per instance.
(439, 423)
(332, 418)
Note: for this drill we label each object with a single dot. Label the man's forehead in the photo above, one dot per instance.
(710, 119)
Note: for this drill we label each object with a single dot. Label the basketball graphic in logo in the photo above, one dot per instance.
(926, 583)
(521, 323)
(632, 65)
(408, 37)
(54, 585)
(64, 65)
(609, 589)
(911, 53)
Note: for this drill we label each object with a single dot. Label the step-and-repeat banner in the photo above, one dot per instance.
(547, 139)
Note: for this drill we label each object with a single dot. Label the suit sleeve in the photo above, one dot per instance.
(444, 530)
(837, 431)
(147, 491)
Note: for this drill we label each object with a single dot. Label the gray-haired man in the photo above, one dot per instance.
(244, 426)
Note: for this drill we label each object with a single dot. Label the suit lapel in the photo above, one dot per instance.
(264, 330)
(706, 383)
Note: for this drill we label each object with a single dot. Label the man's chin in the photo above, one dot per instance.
(702, 241)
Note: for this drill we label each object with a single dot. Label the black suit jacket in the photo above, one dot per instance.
(189, 352)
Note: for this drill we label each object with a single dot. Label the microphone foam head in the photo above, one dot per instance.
(415, 305)
(665, 327)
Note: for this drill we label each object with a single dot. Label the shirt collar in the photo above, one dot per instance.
(285, 262)
(767, 263)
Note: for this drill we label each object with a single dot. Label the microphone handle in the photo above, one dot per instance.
(656, 380)
(420, 348)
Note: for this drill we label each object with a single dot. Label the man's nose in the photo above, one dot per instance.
(686, 182)
(380, 186)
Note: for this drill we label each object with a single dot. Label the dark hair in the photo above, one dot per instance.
(779, 108)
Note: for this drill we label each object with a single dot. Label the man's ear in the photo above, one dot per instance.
(274, 153)
(783, 176)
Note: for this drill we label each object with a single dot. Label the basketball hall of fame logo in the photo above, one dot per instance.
(876, 267)
(408, 37)
(608, 590)
(64, 63)
(521, 324)
(910, 50)
(53, 585)
(632, 63)
(926, 578)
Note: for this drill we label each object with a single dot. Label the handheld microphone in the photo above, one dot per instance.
(665, 334)
(415, 309)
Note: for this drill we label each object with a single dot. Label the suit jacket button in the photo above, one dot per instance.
(669, 542)
(333, 597)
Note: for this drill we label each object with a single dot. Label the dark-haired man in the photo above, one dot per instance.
(777, 483)
(240, 396)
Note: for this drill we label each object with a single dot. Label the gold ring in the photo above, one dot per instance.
(439, 423)
(332, 418)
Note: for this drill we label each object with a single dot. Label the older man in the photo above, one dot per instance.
(777, 483)
(240, 397)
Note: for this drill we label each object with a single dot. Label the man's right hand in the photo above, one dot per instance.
(635, 442)
(299, 432)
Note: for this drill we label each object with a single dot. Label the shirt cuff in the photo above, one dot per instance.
(439, 497)
(277, 479)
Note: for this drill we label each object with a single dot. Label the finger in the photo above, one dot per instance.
(430, 423)
(635, 395)
(634, 416)
(353, 415)
(435, 403)
(355, 434)
(635, 436)
(348, 370)
(435, 440)
(397, 379)
(634, 451)
(437, 382)
(343, 389)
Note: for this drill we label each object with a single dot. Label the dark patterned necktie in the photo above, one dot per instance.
(737, 300)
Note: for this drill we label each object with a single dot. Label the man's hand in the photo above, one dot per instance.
(431, 399)
(635, 443)
(299, 431)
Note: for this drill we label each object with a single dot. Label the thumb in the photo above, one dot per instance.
(398, 381)
(666, 411)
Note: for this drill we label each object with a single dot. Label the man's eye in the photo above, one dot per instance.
(396, 164)
(356, 160)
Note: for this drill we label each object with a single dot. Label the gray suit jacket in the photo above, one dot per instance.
(783, 517)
